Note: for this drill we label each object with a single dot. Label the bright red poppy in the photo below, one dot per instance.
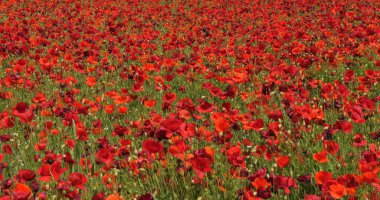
(322, 177)
(282, 161)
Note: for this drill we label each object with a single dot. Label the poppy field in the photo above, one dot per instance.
(203, 100)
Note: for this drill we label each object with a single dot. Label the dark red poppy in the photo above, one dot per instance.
(78, 180)
(204, 107)
(25, 175)
(105, 155)
(331, 147)
(99, 196)
(201, 166)
(285, 183)
(6, 121)
(345, 126)
(63, 185)
(7, 149)
(349, 75)
(150, 146)
(169, 97)
(147, 196)
(359, 140)
(22, 111)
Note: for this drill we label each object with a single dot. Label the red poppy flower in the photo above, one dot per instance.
(359, 140)
(337, 191)
(345, 126)
(151, 146)
(7, 149)
(312, 197)
(221, 124)
(356, 114)
(63, 185)
(235, 157)
(105, 156)
(54, 170)
(201, 166)
(91, 81)
(282, 161)
(108, 180)
(321, 157)
(45, 64)
(44, 173)
(179, 148)
(22, 111)
(204, 107)
(81, 134)
(113, 197)
(78, 180)
(169, 97)
(284, 182)
(149, 103)
(122, 109)
(187, 130)
(172, 124)
(6, 121)
(21, 192)
(331, 146)
(261, 183)
(25, 175)
(109, 109)
(322, 177)
(257, 124)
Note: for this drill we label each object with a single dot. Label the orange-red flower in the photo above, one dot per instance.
(322, 177)
(282, 161)
(321, 157)
(338, 191)
(261, 183)
(21, 191)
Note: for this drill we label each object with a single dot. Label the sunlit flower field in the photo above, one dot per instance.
(195, 100)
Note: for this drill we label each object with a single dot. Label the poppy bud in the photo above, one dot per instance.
(7, 184)
(35, 186)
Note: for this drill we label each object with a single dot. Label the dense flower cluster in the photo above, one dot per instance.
(111, 100)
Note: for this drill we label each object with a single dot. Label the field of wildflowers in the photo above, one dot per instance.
(203, 100)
